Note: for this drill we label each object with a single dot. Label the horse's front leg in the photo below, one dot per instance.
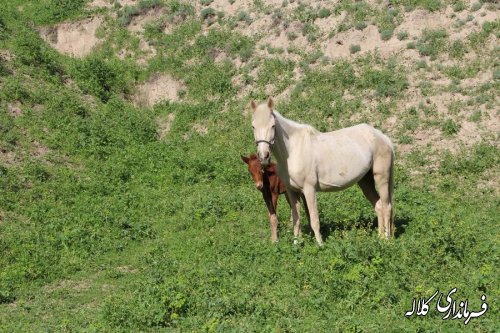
(310, 196)
(271, 213)
(295, 206)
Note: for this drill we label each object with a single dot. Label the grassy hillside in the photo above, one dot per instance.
(124, 205)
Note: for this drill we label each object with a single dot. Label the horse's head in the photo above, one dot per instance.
(263, 124)
(255, 169)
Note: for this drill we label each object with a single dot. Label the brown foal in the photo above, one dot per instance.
(267, 181)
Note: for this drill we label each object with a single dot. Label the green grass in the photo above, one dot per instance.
(450, 127)
(105, 227)
(129, 12)
(431, 5)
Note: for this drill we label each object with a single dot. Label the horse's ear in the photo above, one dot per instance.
(245, 159)
(253, 105)
(270, 103)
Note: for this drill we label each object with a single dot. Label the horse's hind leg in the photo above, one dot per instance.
(382, 174)
(295, 206)
(291, 210)
(367, 185)
(310, 196)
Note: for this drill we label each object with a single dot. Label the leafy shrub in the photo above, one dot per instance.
(103, 78)
(387, 20)
(458, 49)
(216, 80)
(476, 6)
(386, 82)
(432, 42)
(30, 50)
(126, 15)
(354, 48)
(478, 159)
(421, 64)
(360, 25)
(450, 127)
(54, 11)
(324, 12)
(402, 35)
(244, 16)
(458, 6)
(386, 34)
(207, 13)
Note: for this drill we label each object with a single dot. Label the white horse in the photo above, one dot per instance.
(310, 161)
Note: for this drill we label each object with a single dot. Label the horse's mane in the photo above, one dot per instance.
(305, 127)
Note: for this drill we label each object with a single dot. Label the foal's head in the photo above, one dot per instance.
(263, 124)
(255, 169)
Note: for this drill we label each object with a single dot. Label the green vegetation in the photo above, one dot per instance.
(112, 221)
(431, 5)
(431, 43)
(354, 48)
(129, 12)
(402, 35)
(478, 39)
(458, 49)
(244, 16)
(450, 127)
(458, 5)
(386, 34)
(476, 6)
(360, 25)
(207, 13)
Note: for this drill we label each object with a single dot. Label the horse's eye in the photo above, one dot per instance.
(273, 126)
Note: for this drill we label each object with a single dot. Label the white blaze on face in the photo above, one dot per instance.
(263, 129)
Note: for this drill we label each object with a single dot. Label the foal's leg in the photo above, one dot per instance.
(383, 207)
(310, 195)
(271, 213)
(295, 206)
(274, 220)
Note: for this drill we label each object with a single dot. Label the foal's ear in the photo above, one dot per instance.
(270, 103)
(245, 159)
(253, 105)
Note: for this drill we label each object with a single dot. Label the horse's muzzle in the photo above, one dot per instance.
(265, 160)
(259, 185)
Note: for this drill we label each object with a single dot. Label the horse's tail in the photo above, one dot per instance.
(391, 193)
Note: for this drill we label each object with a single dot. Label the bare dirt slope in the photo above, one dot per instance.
(332, 31)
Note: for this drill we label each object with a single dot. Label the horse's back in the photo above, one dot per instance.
(364, 135)
(344, 156)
